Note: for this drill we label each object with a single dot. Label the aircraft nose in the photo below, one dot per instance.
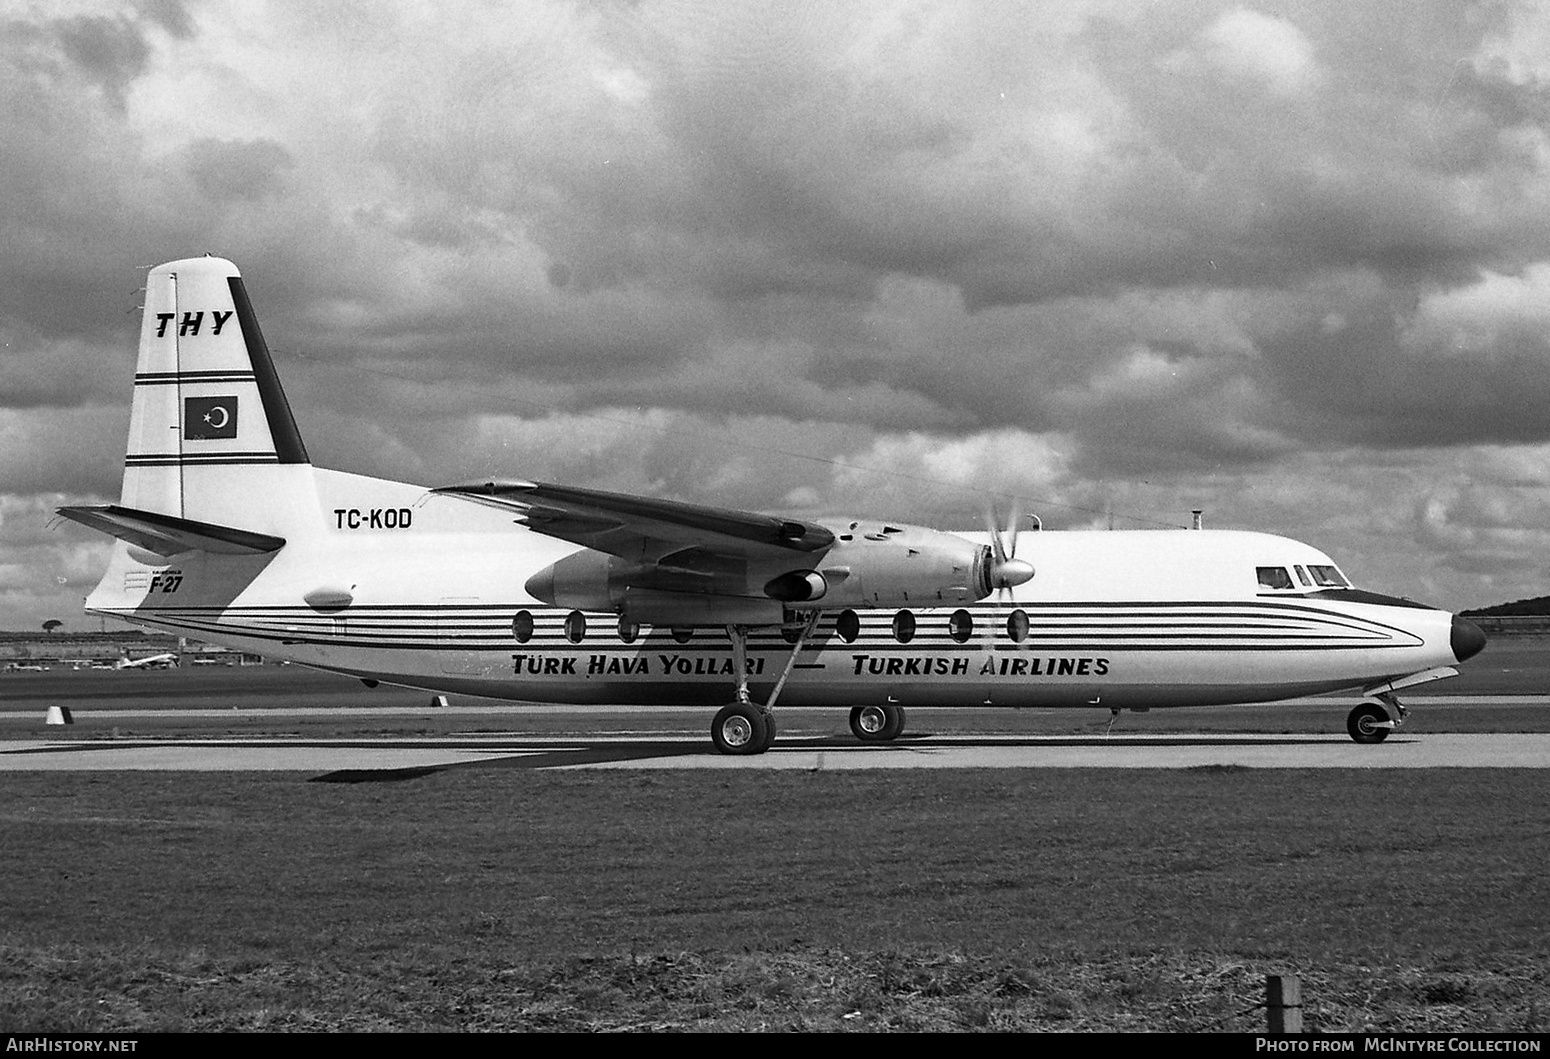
(1467, 639)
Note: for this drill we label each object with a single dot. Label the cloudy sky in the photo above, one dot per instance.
(1285, 262)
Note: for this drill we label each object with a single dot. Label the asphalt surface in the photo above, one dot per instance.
(286, 718)
(345, 759)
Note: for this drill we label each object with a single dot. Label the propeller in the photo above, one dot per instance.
(1007, 571)
(1003, 570)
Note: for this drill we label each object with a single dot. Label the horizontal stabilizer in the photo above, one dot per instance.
(169, 535)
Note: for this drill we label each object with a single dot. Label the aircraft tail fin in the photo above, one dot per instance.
(212, 441)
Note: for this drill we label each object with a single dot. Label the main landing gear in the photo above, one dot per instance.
(877, 724)
(743, 726)
(1371, 722)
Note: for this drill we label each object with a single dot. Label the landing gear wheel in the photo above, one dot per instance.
(741, 728)
(877, 724)
(769, 730)
(1368, 723)
(867, 722)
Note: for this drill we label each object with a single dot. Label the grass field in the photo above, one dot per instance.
(496, 898)
(501, 898)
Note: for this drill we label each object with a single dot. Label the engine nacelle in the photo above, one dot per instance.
(587, 580)
(798, 586)
(869, 565)
(892, 565)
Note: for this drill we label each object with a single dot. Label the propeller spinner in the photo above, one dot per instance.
(1006, 570)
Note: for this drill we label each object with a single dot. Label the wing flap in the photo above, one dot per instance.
(170, 535)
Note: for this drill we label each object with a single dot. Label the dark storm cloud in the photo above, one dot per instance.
(59, 181)
(46, 446)
(1391, 366)
(170, 15)
(44, 374)
(111, 51)
(226, 170)
(1102, 254)
(1489, 101)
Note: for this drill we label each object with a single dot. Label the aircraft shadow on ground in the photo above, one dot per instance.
(584, 752)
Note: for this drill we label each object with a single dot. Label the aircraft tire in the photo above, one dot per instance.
(769, 730)
(1364, 723)
(740, 728)
(877, 724)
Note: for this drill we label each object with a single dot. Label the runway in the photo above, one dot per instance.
(399, 758)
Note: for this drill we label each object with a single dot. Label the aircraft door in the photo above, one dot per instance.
(460, 632)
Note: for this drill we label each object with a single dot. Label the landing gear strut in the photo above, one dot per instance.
(743, 726)
(877, 724)
(1371, 722)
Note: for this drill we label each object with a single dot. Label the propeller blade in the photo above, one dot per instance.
(1006, 570)
(993, 530)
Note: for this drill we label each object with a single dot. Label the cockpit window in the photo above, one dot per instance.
(1302, 577)
(1328, 577)
(1274, 577)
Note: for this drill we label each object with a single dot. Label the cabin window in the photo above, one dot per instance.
(1328, 577)
(960, 626)
(1017, 626)
(575, 626)
(1302, 577)
(848, 625)
(904, 626)
(1274, 577)
(628, 630)
(683, 633)
(522, 626)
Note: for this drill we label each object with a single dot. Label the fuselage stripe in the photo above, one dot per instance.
(484, 629)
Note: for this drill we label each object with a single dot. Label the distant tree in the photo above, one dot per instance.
(52, 624)
(1522, 608)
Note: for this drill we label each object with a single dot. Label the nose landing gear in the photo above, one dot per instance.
(1371, 721)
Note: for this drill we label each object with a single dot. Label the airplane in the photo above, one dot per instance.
(534, 591)
(161, 661)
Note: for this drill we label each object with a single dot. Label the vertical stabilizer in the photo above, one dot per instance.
(211, 435)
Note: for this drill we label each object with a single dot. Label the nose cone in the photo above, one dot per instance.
(1467, 639)
(541, 586)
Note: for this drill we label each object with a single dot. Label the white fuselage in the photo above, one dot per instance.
(428, 591)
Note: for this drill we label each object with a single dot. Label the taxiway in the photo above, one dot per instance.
(390, 758)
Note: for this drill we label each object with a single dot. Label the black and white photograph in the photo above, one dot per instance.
(684, 516)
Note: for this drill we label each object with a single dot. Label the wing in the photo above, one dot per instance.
(642, 529)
